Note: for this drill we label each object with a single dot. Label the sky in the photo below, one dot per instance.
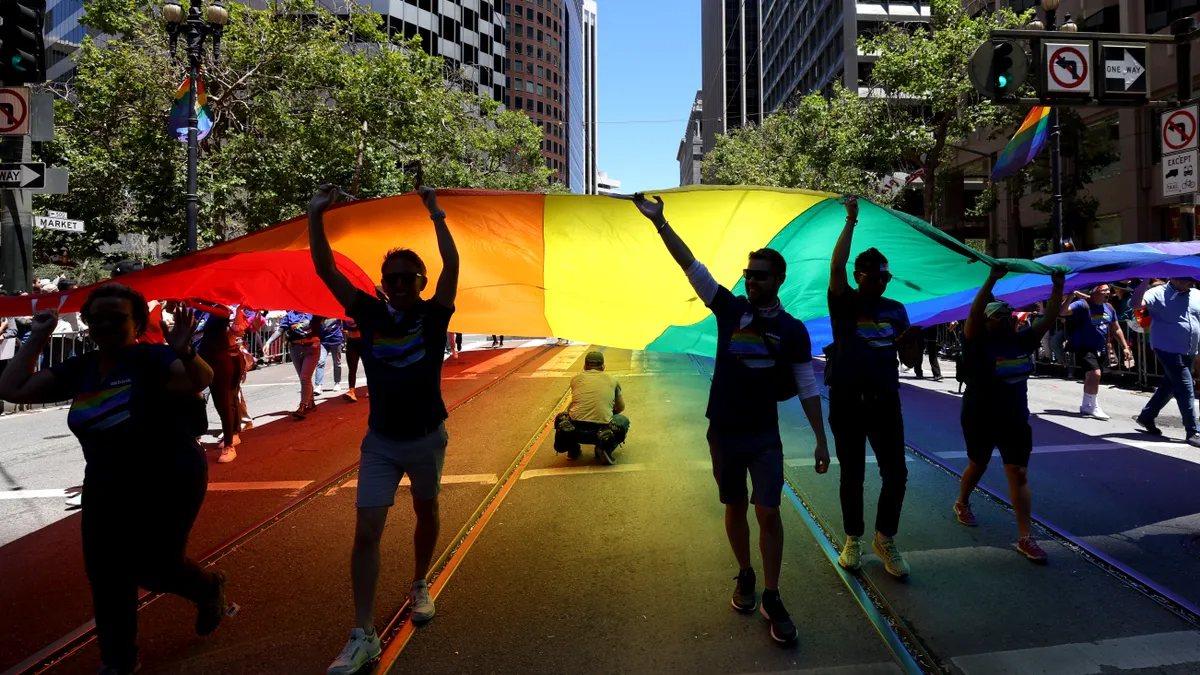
(648, 69)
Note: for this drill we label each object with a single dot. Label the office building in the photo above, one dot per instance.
(691, 147)
(731, 52)
(589, 96)
(606, 185)
(545, 79)
(1128, 191)
(62, 34)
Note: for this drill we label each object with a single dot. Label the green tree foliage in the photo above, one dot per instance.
(299, 97)
(1085, 151)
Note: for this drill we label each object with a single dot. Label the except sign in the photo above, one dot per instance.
(1179, 130)
(14, 111)
(22, 175)
(1068, 67)
(60, 224)
(1124, 69)
(1179, 173)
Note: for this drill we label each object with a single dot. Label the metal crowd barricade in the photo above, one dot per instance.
(61, 346)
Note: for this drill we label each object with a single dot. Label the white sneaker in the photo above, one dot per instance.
(422, 602)
(228, 454)
(337, 387)
(358, 651)
(1095, 412)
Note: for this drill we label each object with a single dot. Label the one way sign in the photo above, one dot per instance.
(30, 175)
(1124, 70)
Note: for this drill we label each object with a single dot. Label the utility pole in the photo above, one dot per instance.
(1183, 83)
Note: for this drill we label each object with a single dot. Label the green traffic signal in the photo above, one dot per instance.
(1002, 81)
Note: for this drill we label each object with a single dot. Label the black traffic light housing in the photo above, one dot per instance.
(998, 68)
(22, 50)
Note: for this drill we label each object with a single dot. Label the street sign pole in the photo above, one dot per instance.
(16, 222)
(1183, 74)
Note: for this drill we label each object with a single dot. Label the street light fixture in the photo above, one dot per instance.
(196, 28)
(1056, 217)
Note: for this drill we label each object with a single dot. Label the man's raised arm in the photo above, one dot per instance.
(702, 281)
(322, 253)
(447, 285)
(838, 283)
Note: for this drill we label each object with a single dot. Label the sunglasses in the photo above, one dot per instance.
(883, 277)
(113, 318)
(402, 277)
(756, 275)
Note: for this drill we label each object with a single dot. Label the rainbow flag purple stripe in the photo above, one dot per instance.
(178, 121)
(1025, 145)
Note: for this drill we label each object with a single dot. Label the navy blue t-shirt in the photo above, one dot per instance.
(331, 332)
(126, 419)
(742, 395)
(866, 331)
(298, 326)
(402, 352)
(997, 370)
(1089, 325)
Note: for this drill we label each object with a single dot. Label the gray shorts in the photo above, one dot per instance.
(386, 461)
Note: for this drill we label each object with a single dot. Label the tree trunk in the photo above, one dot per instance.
(358, 163)
(932, 162)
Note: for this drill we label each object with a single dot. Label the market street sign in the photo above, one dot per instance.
(60, 224)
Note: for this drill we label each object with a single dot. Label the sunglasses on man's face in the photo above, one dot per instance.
(756, 275)
(402, 277)
(111, 318)
(882, 277)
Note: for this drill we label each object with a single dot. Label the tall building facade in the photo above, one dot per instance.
(546, 54)
(590, 162)
(808, 45)
(62, 35)
(691, 147)
(731, 51)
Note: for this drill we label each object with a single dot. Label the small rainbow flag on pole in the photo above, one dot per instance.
(178, 121)
(1025, 145)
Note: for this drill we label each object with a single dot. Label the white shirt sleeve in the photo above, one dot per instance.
(806, 380)
(703, 282)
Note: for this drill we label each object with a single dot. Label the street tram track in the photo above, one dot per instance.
(906, 647)
(71, 643)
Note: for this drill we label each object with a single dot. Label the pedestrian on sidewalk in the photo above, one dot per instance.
(870, 332)
(332, 339)
(145, 476)
(451, 346)
(997, 361)
(1092, 318)
(1174, 308)
(932, 347)
(303, 336)
(402, 343)
(594, 415)
(217, 345)
(353, 349)
(763, 356)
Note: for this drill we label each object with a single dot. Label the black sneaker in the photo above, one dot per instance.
(783, 630)
(1147, 425)
(211, 611)
(603, 455)
(1193, 440)
(574, 453)
(745, 598)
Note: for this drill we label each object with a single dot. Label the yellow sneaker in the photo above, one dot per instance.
(851, 557)
(892, 560)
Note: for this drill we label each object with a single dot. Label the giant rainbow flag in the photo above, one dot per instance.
(587, 268)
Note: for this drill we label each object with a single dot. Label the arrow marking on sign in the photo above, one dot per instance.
(1067, 65)
(1128, 69)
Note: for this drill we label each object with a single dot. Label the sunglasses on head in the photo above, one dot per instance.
(402, 277)
(756, 275)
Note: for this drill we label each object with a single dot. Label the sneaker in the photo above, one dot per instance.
(75, 501)
(1028, 546)
(964, 514)
(937, 378)
(422, 602)
(893, 562)
(1095, 412)
(783, 630)
(210, 612)
(1193, 440)
(851, 557)
(745, 598)
(574, 453)
(247, 425)
(337, 387)
(228, 454)
(301, 412)
(358, 651)
(350, 396)
(1147, 425)
(604, 455)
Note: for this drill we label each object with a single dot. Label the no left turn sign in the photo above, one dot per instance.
(1068, 68)
(14, 111)
(1179, 130)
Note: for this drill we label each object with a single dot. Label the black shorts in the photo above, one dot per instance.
(1091, 359)
(760, 453)
(983, 432)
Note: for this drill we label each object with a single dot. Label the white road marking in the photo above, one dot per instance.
(565, 359)
(61, 493)
(481, 478)
(491, 364)
(58, 493)
(1043, 449)
(1087, 658)
(616, 468)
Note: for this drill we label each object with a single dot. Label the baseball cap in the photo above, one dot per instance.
(998, 307)
(595, 358)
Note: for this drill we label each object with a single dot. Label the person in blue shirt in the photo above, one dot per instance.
(1174, 309)
(763, 356)
(870, 334)
(402, 340)
(304, 345)
(331, 347)
(1093, 324)
(997, 362)
(145, 477)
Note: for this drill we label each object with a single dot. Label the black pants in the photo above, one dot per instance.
(458, 341)
(227, 380)
(353, 350)
(136, 535)
(931, 350)
(856, 418)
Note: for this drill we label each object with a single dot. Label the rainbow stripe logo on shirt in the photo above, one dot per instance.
(102, 409)
(398, 351)
(1100, 316)
(1013, 370)
(749, 348)
(876, 334)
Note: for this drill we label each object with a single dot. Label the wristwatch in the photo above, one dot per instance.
(189, 355)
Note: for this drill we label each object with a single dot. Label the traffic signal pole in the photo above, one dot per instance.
(16, 223)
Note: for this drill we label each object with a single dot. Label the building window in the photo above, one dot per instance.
(529, 14)
(519, 85)
(539, 107)
(520, 104)
(529, 104)
(528, 86)
(541, 90)
(517, 68)
(507, 103)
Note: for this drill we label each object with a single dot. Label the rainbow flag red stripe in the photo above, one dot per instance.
(1025, 145)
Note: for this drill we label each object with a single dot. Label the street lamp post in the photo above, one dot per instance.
(1056, 214)
(196, 29)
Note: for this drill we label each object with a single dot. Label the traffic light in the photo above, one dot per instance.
(998, 68)
(21, 48)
